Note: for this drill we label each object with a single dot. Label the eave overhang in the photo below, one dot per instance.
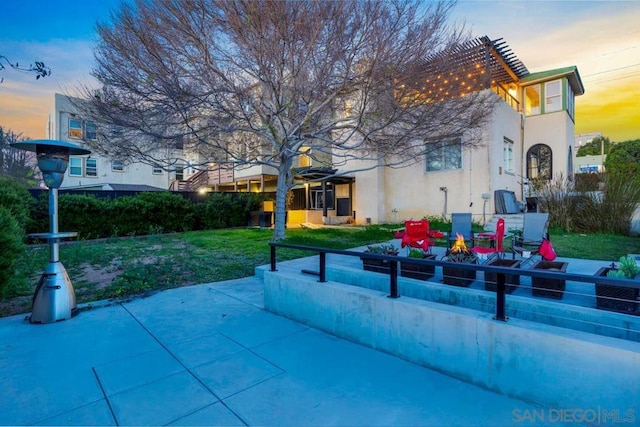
(571, 73)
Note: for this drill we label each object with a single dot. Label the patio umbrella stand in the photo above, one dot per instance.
(54, 298)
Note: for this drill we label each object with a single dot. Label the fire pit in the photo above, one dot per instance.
(459, 253)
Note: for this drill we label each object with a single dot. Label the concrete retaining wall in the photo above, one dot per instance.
(539, 363)
(538, 310)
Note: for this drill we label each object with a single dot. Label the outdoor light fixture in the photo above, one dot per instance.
(54, 298)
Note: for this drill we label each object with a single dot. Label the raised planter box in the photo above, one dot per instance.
(549, 288)
(457, 276)
(615, 298)
(511, 280)
(415, 271)
(376, 265)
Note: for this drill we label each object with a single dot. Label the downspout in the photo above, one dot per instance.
(445, 190)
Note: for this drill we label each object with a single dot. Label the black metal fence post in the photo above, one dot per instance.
(273, 258)
(393, 279)
(323, 267)
(501, 278)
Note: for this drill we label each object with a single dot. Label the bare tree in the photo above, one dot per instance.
(38, 67)
(351, 84)
(17, 165)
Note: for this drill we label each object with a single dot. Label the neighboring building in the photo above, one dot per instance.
(588, 164)
(584, 138)
(95, 171)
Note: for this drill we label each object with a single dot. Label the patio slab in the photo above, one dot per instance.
(211, 355)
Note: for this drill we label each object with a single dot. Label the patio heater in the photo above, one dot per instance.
(54, 298)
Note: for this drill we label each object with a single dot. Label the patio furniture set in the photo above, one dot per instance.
(529, 249)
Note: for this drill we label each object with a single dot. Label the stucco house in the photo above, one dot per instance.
(95, 171)
(530, 135)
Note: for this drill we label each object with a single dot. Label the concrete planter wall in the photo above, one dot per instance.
(530, 361)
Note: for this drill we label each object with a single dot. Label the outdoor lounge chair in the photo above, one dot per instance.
(416, 235)
(461, 224)
(495, 240)
(534, 231)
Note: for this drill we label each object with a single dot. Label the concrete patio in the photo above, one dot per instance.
(212, 355)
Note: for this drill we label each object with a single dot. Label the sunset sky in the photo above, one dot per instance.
(602, 38)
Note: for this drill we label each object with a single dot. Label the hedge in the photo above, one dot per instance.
(11, 247)
(145, 213)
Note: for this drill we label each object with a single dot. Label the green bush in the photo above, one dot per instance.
(17, 200)
(623, 159)
(224, 210)
(11, 247)
(88, 215)
(145, 213)
(150, 213)
(588, 181)
(168, 212)
(557, 197)
(128, 216)
(609, 211)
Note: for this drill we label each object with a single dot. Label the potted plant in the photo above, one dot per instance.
(378, 265)
(459, 253)
(416, 271)
(616, 298)
(550, 288)
(511, 280)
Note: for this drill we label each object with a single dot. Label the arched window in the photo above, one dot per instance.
(539, 162)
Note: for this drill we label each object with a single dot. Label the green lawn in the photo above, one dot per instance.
(125, 267)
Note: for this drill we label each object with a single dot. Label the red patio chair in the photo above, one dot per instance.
(416, 235)
(495, 240)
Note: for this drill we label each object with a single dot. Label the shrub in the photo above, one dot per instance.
(128, 216)
(86, 214)
(168, 212)
(623, 159)
(223, 210)
(145, 213)
(608, 211)
(11, 247)
(17, 200)
(557, 197)
(588, 181)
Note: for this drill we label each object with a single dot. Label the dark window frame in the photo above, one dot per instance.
(543, 154)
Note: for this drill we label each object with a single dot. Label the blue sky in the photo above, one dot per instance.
(602, 38)
(45, 20)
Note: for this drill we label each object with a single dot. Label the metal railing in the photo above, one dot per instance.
(501, 272)
(503, 93)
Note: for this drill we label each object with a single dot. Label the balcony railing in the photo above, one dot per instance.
(204, 178)
(504, 94)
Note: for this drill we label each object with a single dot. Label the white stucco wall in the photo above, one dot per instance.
(393, 195)
(555, 130)
(370, 198)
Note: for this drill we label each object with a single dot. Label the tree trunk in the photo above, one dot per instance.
(284, 178)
